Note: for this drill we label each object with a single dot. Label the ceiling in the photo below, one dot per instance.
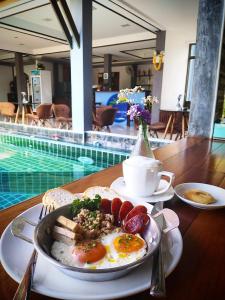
(125, 29)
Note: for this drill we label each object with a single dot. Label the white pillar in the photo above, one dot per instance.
(81, 66)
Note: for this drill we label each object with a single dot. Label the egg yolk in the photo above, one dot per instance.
(89, 251)
(128, 243)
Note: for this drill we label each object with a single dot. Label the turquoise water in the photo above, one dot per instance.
(219, 131)
(26, 172)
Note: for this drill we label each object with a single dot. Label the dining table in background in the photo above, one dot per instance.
(200, 274)
(174, 115)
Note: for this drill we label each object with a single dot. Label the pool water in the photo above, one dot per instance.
(26, 172)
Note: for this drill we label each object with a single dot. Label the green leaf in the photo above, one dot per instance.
(86, 203)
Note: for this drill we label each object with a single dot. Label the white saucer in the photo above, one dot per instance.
(217, 192)
(49, 281)
(119, 186)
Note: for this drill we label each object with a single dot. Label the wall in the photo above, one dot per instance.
(125, 77)
(5, 78)
(175, 66)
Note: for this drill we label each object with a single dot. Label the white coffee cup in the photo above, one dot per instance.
(142, 176)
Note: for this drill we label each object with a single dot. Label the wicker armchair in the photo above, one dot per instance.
(104, 117)
(62, 115)
(7, 110)
(42, 116)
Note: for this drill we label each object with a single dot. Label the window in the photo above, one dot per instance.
(190, 72)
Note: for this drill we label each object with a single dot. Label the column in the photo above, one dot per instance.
(206, 69)
(81, 67)
(20, 78)
(107, 76)
(157, 77)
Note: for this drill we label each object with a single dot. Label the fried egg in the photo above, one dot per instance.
(122, 249)
(112, 250)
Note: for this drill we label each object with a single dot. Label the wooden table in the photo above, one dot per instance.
(200, 273)
(172, 120)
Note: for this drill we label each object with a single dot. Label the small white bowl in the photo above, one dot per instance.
(217, 192)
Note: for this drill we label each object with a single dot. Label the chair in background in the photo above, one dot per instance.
(161, 125)
(104, 117)
(42, 116)
(171, 122)
(7, 110)
(62, 115)
(181, 124)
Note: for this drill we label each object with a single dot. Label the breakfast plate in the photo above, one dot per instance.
(49, 281)
(119, 186)
(217, 193)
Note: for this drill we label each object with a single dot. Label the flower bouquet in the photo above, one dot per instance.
(141, 113)
(124, 94)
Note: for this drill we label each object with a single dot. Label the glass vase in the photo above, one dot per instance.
(142, 146)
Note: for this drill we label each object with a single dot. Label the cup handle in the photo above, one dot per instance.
(171, 177)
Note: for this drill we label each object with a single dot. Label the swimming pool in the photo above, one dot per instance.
(29, 166)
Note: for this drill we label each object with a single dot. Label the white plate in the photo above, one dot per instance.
(217, 192)
(120, 187)
(49, 281)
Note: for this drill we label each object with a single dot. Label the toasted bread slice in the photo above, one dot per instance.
(103, 191)
(58, 197)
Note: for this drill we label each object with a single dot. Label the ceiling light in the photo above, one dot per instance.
(125, 25)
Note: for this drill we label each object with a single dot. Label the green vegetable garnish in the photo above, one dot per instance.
(87, 203)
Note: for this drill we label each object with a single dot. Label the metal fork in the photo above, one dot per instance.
(24, 288)
(158, 288)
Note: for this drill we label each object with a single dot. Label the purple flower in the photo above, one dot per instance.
(146, 116)
(135, 111)
(139, 113)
